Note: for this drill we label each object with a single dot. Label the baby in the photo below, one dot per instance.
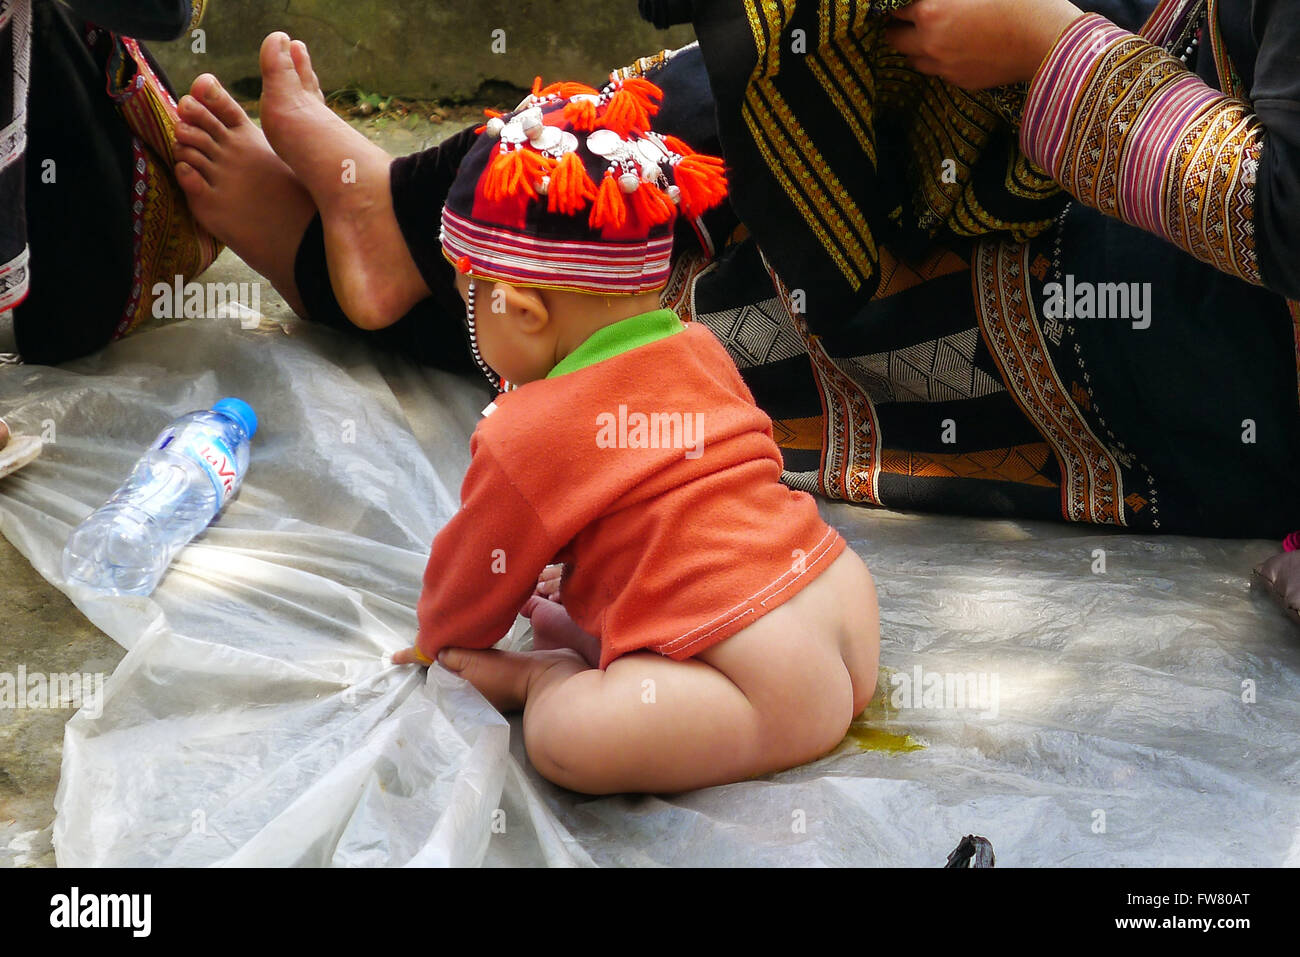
(713, 626)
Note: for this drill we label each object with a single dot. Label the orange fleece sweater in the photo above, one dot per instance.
(654, 478)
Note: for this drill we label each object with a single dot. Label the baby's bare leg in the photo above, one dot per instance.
(775, 695)
(646, 723)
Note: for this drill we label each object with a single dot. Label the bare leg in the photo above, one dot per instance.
(777, 694)
(238, 189)
(374, 277)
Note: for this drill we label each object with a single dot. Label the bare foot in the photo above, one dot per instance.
(4, 435)
(553, 629)
(239, 190)
(506, 678)
(374, 277)
(548, 582)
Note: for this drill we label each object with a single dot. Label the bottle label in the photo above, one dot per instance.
(209, 452)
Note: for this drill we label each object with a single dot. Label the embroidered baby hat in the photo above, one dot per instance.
(576, 191)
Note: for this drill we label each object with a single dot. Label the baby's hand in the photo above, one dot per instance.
(548, 583)
(411, 656)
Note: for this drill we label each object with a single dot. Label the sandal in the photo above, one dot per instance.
(20, 450)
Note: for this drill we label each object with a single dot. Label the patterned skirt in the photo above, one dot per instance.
(1092, 374)
(974, 343)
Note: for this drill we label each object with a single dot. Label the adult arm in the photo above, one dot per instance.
(1128, 130)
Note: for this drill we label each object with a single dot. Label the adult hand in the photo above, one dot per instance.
(977, 44)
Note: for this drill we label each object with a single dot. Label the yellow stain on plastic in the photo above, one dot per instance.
(873, 739)
(864, 732)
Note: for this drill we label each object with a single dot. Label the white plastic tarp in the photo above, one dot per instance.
(1144, 714)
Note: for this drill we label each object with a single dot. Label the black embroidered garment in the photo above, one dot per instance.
(1134, 365)
(1098, 373)
(66, 157)
(15, 57)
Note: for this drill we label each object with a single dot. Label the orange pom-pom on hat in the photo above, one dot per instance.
(575, 190)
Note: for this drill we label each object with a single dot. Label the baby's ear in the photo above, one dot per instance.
(526, 306)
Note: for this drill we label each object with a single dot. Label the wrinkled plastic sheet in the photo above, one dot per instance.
(1147, 714)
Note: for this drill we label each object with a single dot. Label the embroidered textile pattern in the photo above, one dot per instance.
(1131, 132)
(850, 467)
(959, 149)
(1091, 486)
(168, 241)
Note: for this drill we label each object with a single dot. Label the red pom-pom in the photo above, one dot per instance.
(701, 182)
(464, 265)
(581, 115)
(515, 173)
(571, 188)
(567, 89)
(677, 146)
(610, 209)
(652, 205)
(631, 106)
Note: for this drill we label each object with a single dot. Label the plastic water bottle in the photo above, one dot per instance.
(191, 471)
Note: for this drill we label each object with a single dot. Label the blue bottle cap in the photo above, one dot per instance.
(241, 412)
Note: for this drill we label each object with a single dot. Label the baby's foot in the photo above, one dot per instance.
(374, 277)
(548, 582)
(553, 628)
(238, 189)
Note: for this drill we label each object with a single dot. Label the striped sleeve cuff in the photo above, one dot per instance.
(1128, 130)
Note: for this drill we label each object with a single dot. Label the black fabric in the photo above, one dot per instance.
(1274, 86)
(1199, 410)
(874, 165)
(880, 189)
(140, 19)
(1219, 351)
(80, 277)
(666, 13)
(13, 220)
(76, 190)
(1128, 14)
(1174, 398)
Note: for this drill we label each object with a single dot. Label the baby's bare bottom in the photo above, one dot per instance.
(775, 695)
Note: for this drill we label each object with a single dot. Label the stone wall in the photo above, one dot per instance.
(435, 49)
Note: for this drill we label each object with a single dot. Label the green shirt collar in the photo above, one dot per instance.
(622, 336)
